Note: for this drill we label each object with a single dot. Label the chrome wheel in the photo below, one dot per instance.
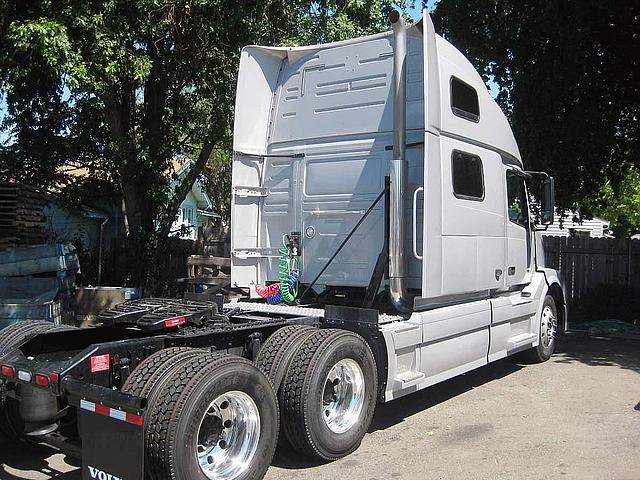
(548, 326)
(228, 436)
(343, 396)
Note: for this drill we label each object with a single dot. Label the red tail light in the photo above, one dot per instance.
(42, 380)
(7, 371)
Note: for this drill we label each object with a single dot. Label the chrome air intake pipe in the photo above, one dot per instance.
(398, 170)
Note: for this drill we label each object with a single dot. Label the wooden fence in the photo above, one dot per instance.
(587, 263)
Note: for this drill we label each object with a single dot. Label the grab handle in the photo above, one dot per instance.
(415, 222)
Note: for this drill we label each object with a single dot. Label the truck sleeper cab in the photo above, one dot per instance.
(317, 131)
(388, 176)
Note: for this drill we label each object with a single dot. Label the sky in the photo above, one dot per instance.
(416, 11)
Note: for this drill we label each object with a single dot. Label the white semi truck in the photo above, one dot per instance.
(383, 234)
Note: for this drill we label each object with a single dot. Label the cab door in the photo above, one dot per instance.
(518, 229)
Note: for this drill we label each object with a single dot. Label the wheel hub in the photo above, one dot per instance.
(228, 436)
(343, 396)
(548, 325)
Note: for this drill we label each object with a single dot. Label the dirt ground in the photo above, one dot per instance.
(574, 417)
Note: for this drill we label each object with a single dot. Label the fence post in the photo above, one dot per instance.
(628, 279)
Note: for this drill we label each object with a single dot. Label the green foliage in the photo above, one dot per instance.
(217, 182)
(568, 74)
(620, 205)
(333, 20)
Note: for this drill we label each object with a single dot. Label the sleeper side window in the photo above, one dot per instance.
(467, 176)
(517, 206)
(464, 100)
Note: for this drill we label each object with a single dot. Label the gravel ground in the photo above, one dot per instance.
(574, 417)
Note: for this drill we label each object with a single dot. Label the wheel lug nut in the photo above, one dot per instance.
(222, 444)
(224, 405)
(228, 423)
(210, 459)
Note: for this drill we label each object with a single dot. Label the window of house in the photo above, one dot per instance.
(517, 206)
(464, 100)
(187, 215)
(467, 176)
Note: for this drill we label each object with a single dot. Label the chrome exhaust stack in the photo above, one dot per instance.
(398, 170)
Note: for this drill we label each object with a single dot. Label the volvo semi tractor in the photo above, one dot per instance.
(383, 232)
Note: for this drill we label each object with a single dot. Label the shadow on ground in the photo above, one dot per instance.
(571, 348)
(392, 413)
(30, 457)
(599, 351)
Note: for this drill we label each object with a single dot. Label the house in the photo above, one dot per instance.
(84, 223)
(195, 210)
(569, 226)
(81, 224)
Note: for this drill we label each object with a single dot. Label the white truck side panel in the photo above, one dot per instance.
(472, 231)
(257, 80)
(421, 347)
(433, 346)
(492, 130)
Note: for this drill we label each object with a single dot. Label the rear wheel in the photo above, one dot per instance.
(329, 395)
(276, 353)
(147, 376)
(215, 417)
(275, 357)
(547, 337)
(11, 424)
(17, 333)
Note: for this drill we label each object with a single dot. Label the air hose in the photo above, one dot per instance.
(288, 276)
(288, 272)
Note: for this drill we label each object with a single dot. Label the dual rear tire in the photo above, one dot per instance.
(209, 416)
(326, 382)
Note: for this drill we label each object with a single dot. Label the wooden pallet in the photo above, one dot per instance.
(22, 220)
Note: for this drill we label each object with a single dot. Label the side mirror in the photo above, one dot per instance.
(548, 201)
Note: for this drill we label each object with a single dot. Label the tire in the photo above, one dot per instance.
(147, 375)
(276, 353)
(148, 378)
(195, 393)
(274, 359)
(547, 336)
(308, 393)
(17, 333)
(11, 424)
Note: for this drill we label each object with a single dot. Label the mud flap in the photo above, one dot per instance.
(111, 427)
(112, 448)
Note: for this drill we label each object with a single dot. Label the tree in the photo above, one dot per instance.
(569, 77)
(122, 87)
(621, 207)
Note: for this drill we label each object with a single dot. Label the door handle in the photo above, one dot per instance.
(415, 222)
(511, 271)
